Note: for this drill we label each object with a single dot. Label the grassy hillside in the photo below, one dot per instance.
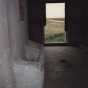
(54, 31)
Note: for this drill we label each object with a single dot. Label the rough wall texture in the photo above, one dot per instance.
(17, 29)
(17, 33)
(5, 78)
(13, 36)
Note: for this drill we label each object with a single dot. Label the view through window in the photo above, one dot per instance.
(55, 23)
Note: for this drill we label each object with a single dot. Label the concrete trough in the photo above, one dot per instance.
(29, 73)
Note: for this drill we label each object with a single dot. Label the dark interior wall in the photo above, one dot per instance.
(54, 1)
(87, 23)
(36, 33)
(76, 20)
(36, 21)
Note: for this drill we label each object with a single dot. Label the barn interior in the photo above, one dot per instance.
(66, 63)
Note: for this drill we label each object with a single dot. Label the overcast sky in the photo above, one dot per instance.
(55, 10)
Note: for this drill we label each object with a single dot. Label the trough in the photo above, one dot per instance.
(29, 73)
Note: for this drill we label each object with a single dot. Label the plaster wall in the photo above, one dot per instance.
(17, 29)
(13, 36)
(18, 34)
(5, 71)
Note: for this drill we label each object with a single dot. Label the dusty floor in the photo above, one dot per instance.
(65, 67)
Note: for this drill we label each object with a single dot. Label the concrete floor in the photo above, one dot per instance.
(65, 67)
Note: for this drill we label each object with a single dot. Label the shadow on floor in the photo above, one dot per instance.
(65, 67)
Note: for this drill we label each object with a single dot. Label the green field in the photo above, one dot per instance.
(54, 31)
